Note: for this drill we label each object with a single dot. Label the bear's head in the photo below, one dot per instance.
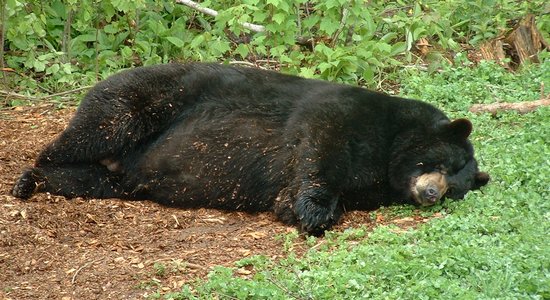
(429, 164)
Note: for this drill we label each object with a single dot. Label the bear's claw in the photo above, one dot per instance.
(26, 185)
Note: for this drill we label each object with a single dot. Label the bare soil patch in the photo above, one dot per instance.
(57, 248)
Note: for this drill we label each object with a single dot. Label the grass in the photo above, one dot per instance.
(455, 89)
(492, 245)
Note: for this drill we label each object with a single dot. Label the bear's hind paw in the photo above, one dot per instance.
(27, 184)
(315, 219)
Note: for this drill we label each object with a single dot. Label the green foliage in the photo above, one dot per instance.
(160, 269)
(63, 44)
(491, 245)
(457, 87)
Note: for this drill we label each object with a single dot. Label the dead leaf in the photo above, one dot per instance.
(257, 235)
(403, 220)
(213, 220)
(243, 271)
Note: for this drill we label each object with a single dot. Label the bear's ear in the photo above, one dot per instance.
(480, 179)
(460, 128)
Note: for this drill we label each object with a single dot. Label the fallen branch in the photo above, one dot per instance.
(194, 266)
(8, 94)
(26, 76)
(521, 107)
(65, 92)
(208, 11)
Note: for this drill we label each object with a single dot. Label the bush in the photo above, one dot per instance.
(67, 43)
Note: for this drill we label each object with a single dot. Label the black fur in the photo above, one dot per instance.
(207, 135)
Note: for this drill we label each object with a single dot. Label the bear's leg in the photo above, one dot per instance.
(312, 199)
(317, 208)
(80, 180)
(85, 143)
(101, 131)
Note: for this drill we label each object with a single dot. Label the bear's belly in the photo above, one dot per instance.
(237, 163)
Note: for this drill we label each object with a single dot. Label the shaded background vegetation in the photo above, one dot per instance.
(60, 45)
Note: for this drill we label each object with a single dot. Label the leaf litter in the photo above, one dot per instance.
(57, 248)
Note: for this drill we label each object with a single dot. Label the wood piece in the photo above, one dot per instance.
(520, 45)
(493, 50)
(208, 11)
(526, 40)
(521, 107)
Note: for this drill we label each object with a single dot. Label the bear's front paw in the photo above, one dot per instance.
(27, 184)
(315, 218)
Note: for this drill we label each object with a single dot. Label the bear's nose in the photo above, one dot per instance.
(431, 194)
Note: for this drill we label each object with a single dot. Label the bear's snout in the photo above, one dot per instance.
(432, 194)
(429, 188)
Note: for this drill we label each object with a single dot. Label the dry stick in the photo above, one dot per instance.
(2, 35)
(283, 288)
(194, 266)
(96, 45)
(208, 11)
(26, 76)
(65, 92)
(521, 107)
(12, 94)
(176, 219)
(83, 266)
(66, 39)
(246, 63)
(343, 20)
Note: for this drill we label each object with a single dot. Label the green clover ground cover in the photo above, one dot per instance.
(492, 245)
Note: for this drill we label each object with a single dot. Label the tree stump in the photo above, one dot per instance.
(521, 44)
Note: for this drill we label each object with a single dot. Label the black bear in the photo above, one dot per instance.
(209, 135)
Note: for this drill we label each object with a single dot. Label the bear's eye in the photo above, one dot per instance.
(450, 191)
(459, 165)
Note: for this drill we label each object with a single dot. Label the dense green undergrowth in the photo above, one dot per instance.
(492, 245)
(456, 88)
(61, 45)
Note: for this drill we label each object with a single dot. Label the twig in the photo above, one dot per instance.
(177, 222)
(2, 35)
(83, 266)
(318, 245)
(343, 20)
(391, 10)
(194, 266)
(66, 39)
(268, 61)
(26, 76)
(246, 63)
(32, 98)
(15, 95)
(65, 92)
(225, 296)
(208, 11)
(240, 62)
(283, 288)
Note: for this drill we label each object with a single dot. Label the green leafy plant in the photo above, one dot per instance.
(64, 44)
(160, 269)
